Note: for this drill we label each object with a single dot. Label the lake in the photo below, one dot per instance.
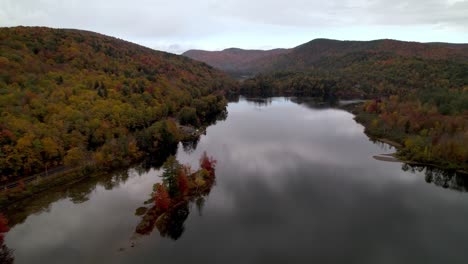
(296, 182)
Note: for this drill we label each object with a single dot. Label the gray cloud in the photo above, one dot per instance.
(163, 24)
(420, 12)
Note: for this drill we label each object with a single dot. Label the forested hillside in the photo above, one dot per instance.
(70, 96)
(367, 75)
(237, 62)
(314, 54)
(419, 91)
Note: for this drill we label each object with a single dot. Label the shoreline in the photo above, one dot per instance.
(29, 186)
(353, 109)
(406, 161)
(387, 157)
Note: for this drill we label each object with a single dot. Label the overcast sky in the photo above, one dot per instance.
(177, 25)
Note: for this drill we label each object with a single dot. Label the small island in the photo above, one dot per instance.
(170, 199)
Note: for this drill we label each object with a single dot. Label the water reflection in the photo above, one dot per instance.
(190, 145)
(6, 254)
(259, 101)
(448, 179)
(294, 184)
(315, 103)
(309, 102)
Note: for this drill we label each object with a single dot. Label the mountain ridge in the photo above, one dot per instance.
(304, 56)
(233, 59)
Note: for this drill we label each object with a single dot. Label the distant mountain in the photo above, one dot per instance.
(352, 69)
(312, 54)
(309, 55)
(233, 60)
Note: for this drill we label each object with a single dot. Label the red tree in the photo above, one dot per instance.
(3, 227)
(162, 199)
(183, 183)
(207, 163)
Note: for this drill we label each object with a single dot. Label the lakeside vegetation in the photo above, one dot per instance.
(169, 203)
(425, 135)
(70, 97)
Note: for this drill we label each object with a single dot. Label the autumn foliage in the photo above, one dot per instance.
(70, 97)
(3, 227)
(426, 135)
(162, 199)
(170, 210)
(207, 163)
(183, 183)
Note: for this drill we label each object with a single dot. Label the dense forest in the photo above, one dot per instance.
(425, 134)
(70, 97)
(316, 53)
(419, 102)
(365, 75)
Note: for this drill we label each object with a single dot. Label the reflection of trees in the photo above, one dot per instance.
(190, 145)
(155, 160)
(220, 117)
(309, 102)
(6, 254)
(168, 213)
(200, 203)
(171, 223)
(260, 102)
(77, 192)
(444, 178)
(382, 145)
(315, 102)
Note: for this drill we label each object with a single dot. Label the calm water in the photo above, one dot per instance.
(295, 184)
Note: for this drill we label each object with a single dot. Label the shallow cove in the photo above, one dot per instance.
(295, 183)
